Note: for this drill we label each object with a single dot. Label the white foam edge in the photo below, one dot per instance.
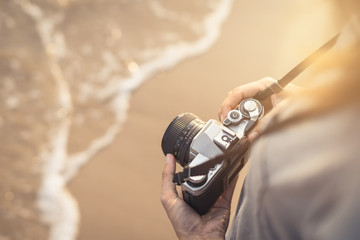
(173, 54)
(122, 91)
(120, 104)
(57, 206)
(59, 209)
(77, 160)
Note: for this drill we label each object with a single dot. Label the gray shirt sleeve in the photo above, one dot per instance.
(304, 182)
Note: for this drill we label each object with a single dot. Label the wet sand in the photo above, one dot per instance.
(118, 191)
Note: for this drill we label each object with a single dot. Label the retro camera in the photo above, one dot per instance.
(211, 153)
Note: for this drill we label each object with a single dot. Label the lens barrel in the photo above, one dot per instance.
(179, 135)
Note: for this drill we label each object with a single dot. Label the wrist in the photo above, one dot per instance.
(202, 236)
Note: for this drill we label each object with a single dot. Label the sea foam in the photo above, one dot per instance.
(58, 208)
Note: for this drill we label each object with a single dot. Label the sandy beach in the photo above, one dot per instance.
(65, 105)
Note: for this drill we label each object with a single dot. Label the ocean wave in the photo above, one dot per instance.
(97, 57)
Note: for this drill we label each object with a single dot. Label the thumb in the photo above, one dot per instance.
(168, 188)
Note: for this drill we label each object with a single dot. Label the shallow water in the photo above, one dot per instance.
(68, 69)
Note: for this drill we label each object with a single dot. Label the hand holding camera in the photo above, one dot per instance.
(235, 96)
(187, 223)
(213, 153)
(181, 214)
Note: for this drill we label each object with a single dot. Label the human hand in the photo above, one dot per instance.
(187, 223)
(249, 90)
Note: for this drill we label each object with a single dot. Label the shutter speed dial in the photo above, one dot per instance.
(250, 105)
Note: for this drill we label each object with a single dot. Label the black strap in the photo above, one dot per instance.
(280, 84)
(202, 169)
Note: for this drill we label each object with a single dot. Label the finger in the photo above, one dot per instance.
(232, 99)
(180, 193)
(238, 94)
(260, 126)
(224, 110)
(227, 195)
(253, 135)
(224, 201)
(168, 188)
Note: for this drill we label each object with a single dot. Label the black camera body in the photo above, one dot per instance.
(211, 153)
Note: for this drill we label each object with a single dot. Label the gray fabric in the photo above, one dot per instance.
(304, 182)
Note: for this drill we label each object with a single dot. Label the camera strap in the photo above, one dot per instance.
(279, 85)
(203, 169)
(198, 170)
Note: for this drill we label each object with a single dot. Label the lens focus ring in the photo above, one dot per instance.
(179, 135)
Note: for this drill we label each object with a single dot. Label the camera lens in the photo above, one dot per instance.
(179, 135)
